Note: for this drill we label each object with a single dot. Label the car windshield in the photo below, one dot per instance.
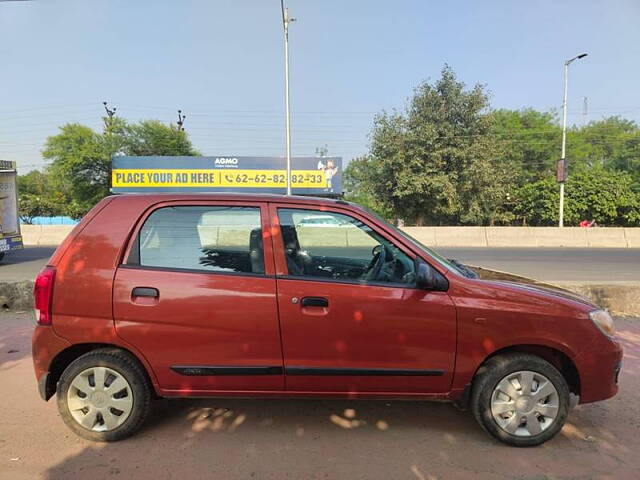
(433, 254)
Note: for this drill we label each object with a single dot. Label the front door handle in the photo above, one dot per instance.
(145, 292)
(315, 302)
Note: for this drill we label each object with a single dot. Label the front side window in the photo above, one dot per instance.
(216, 239)
(340, 247)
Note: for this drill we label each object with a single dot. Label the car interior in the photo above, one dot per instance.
(383, 262)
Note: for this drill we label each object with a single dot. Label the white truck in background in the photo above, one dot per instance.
(10, 237)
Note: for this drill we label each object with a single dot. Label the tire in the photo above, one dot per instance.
(113, 411)
(1, 256)
(528, 416)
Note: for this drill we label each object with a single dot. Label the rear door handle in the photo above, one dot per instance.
(315, 302)
(145, 292)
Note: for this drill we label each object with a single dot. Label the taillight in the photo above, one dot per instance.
(43, 295)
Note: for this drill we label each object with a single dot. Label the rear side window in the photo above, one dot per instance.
(214, 239)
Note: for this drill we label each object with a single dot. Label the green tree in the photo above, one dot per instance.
(38, 197)
(356, 177)
(596, 193)
(80, 164)
(151, 137)
(613, 142)
(81, 158)
(435, 163)
(530, 142)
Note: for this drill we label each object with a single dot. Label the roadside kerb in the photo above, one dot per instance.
(620, 298)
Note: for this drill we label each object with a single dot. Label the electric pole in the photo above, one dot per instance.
(110, 114)
(285, 23)
(181, 120)
(562, 163)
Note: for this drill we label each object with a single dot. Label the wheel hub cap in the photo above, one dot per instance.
(100, 399)
(524, 403)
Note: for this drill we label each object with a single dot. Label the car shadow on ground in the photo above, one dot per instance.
(294, 415)
(257, 436)
(254, 438)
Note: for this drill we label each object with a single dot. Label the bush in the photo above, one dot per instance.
(605, 196)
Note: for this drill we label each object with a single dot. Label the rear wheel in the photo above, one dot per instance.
(520, 399)
(104, 395)
(1, 256)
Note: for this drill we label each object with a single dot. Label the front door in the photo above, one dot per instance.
(197, 297)
(352, 318)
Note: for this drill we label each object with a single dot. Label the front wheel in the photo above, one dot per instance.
(520, 399)
(104, 395)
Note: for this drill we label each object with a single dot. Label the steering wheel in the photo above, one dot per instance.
(379, 256)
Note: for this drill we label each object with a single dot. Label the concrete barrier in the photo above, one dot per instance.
(44, 234)
(461, 236)
(425, 235)
(510, 237)
(632, 235)
(560, 237)
(432, 236)
(606, 237)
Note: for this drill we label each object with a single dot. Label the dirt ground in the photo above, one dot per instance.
(308, 439)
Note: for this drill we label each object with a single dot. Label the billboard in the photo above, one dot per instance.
(309, 175)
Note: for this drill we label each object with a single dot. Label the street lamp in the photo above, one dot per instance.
(285, 23)
(562, 166)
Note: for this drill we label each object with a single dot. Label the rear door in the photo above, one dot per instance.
(352, 318)
(197, 296)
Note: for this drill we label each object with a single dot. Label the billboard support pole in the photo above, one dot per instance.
(285, 24)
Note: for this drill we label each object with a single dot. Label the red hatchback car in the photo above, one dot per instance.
(266, 295)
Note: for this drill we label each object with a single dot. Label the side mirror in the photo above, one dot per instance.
(427, 278)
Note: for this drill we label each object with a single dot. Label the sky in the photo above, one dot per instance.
(221, 62)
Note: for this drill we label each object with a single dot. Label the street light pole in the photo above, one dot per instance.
(564, 135)
(285, 24)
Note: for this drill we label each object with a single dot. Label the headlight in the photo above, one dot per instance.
(603, 321)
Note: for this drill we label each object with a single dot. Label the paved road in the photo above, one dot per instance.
(309, 439)
(24, 264)
(561, 264)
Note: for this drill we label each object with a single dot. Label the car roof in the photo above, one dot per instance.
(249, 197)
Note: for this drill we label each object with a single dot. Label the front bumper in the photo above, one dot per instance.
(599, 372)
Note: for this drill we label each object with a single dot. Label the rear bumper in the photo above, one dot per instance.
(45, 345)
(599, 372)
(44, 388)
